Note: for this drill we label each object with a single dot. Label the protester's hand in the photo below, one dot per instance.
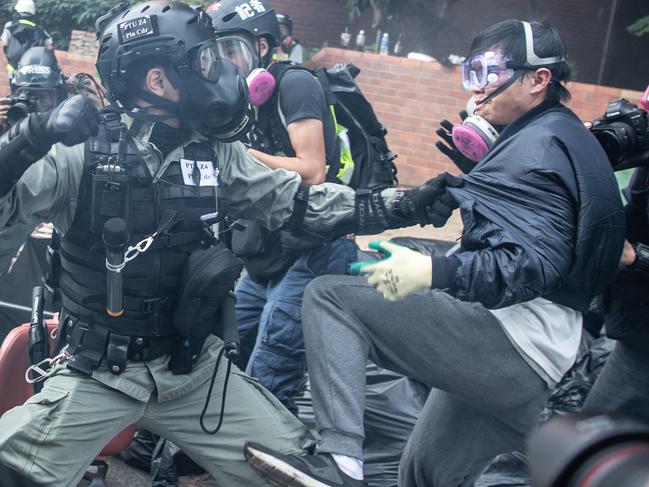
(628, 254)
(430, 203)
(4, 108)
(448, 148)
(72, 122)
(403, 272)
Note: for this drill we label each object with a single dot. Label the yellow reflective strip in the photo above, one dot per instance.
(10, 68)
(346, 160)
(27, 22)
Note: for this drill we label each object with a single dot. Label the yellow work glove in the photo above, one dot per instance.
(403, 272)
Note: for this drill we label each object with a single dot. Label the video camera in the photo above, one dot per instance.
(622, 130)
(21, 106)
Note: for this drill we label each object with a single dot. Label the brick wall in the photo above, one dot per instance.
(84, 43)
(412, 97)
(582, 24)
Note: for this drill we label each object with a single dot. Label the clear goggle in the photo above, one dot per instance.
(239, 51)
(489, 69)
(207, 62)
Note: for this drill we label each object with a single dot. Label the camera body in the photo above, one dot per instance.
(21, 106)
(623, 129)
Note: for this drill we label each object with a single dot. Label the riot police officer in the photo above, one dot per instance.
(160, 161)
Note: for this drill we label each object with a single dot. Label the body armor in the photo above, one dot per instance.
(117, 183)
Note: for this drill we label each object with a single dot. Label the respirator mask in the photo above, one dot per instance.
(495, 70)
(238, 50)
(213, 97)
(474, 136)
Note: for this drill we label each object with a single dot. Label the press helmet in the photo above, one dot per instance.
(181, 39)
(38, 68)
(254, 17)
(37, 84)
(285, 19)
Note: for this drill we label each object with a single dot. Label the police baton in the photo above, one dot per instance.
(38, 344)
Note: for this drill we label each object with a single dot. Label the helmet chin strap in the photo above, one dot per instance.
(502, 87)
(173, 108)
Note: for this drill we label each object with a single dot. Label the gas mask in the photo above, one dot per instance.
(474, 136)
(238, 49)
(213, 97)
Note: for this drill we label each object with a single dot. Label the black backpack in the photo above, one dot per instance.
(374, 166)
(268, 255)
(23, 37)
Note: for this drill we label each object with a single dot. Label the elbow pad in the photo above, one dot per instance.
(20, 147)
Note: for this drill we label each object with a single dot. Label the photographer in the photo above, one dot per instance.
(543, 231)
(21, 33)
(623, 386)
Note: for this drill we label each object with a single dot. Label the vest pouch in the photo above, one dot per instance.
(208, 278)
(262, 251)
(109, 197)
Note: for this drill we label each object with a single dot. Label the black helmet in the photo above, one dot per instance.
(214, 96)
(37, 85)
(254, 17)
(285, 19)
(38, 68)
(168, 31)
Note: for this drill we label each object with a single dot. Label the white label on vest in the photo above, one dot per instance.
(201, 170)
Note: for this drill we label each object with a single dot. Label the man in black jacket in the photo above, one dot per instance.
(623, 385)
(495, 325)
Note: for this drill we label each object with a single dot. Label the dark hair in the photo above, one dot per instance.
(136, 76)
(509, 36)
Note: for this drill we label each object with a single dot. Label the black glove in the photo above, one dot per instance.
(429, 203)
(465, 164)
(72, 122)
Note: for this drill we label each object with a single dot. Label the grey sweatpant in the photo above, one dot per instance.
(485, 397)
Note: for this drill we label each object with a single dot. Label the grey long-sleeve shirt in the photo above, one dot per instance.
(49, 188)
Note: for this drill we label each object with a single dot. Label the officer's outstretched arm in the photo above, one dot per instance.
(72, 122)
(375, 211)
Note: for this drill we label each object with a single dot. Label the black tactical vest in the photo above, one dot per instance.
(117, 183)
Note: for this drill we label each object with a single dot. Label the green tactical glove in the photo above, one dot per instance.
(403, 272)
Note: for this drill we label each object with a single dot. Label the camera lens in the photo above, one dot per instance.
(590, 451)
(16, 113)
(616, 138)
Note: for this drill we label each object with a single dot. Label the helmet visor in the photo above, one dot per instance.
(489, 69)
(238, 50)
(37, 75)
(208, 62)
